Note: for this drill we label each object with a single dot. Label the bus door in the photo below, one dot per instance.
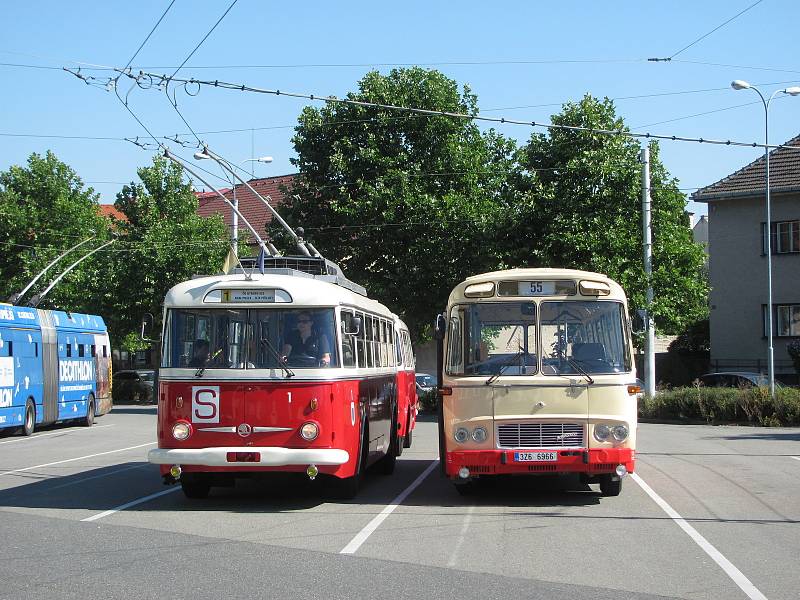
(50, 374)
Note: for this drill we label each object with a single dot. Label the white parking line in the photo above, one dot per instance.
(735, 574)
(68, 460)
(129, 504)
(64, 432)
(362, 535)
(85, 479)
(795, 457)
(462, 536)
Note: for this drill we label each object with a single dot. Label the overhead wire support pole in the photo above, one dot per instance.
(301, 245)
(175, 159)
(650, 340)
(14, 298)
(39, 297)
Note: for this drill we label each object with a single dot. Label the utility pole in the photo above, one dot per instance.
(649, 347)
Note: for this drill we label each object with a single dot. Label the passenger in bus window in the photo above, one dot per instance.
(200, 354)
(305, 343)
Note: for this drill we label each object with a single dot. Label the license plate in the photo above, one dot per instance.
(535, 456)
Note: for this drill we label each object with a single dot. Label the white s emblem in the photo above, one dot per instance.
(205, 404)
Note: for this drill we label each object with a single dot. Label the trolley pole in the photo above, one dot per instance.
(649, 347)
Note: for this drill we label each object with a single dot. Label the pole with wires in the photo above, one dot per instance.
(650, 341)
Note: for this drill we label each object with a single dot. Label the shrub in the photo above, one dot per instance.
(429, 401)
(715, 405)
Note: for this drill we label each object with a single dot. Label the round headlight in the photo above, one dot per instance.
(479, 434)
(601, 432)
(620, 432)
(461, 435)
(181, 431)
(309, 431)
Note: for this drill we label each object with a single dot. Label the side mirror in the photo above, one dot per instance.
(439, 327)
(148, 322)
(639, 321)
(355, 326)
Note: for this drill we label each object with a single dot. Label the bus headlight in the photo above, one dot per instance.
(601, 432)
(620, 432)
(461, 435)
(309, 431)
(479, 434)
(181, 431)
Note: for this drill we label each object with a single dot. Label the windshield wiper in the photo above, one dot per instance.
(201, 370)
(277, 357)
(573, 363)
(505, 364)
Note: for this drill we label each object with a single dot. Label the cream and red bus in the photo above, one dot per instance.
(537, 377)
(290, 370)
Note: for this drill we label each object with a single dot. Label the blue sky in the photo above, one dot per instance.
(527, 59)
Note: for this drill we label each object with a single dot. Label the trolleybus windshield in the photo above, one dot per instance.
(250, 339)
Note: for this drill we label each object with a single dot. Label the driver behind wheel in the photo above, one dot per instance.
(305, 342)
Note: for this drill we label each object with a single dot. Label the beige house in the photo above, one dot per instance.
(738, 244)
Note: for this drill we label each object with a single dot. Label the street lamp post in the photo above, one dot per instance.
(234, 215)
(792, 91)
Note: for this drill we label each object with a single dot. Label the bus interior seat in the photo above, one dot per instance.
(588, 351)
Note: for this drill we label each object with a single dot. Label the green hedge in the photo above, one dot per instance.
(721, 405)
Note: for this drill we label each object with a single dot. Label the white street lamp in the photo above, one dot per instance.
(740, 84)
(202, 155)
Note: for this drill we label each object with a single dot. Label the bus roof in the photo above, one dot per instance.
(457, 295)
(303, 291)
(25, 316)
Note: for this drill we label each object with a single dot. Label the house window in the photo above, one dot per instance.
(784, 237)
(785, 320)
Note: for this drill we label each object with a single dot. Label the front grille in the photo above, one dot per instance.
(540, 435)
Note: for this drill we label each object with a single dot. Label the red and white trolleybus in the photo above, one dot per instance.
(291, 370)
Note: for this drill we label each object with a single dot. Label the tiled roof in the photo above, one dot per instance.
(251, 207)
(111, 212)
(784, 176)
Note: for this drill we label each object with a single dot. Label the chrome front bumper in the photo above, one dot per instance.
(270, 456)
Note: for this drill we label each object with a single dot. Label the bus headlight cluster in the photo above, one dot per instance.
(181, 431)
(309, 431)
(462, 434)
(608, 433)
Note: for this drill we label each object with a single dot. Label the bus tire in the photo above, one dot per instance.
(88, 420)
(610, 486)
(195, 486)
(389, 461)
(29, 420)
(409, 432)
(465, 489)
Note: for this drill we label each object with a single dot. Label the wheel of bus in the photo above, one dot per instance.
(466, 488)
(88, 420)
(347, 488)
(29, 423)
(610, 486)
(195, 486)
(389, 461)
(409, 432)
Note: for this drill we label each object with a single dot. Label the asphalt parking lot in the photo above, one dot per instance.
(712, 512)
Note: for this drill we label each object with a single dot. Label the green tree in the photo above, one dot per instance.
(162, 243)
(44, 210)
(405, 203)
(580, 207)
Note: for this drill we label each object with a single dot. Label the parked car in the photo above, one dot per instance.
(425, 383)
(134, 386)
(735, 379)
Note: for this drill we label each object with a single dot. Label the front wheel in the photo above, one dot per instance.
(29, 423)
(610, 485)
(196, 487)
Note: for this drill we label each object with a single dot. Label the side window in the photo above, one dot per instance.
(411, 359)
(10, 346)
(390, 341)
(105, 351)
(81, 350)
(94, 350)
(361, 353)
(384, 344)
(69, 350)
(398, 345)
(348, 341)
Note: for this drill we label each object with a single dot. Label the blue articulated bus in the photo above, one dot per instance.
(54, 366)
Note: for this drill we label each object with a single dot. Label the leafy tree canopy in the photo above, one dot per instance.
(44, 210)
(583, 210)
(164, 241)
(405, 203)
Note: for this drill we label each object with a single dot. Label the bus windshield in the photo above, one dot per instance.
(250, 339)
(498, 338)
(583, 335)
